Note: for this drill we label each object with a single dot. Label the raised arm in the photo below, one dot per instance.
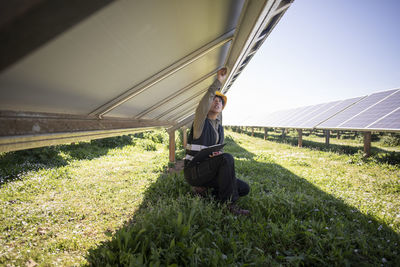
(205, 103)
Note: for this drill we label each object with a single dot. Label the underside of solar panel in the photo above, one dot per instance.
(92, 69)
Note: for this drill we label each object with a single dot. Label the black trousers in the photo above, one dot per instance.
(217, 173)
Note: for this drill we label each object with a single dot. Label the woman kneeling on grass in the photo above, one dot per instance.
(218, 170)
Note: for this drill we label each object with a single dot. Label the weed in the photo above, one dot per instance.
(146, 144)
(391, 139)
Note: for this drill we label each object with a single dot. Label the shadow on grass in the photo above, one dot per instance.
(377, 154)
(12, 164)
(292, 223)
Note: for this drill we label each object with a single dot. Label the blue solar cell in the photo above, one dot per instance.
(313, 121)
(374, 112)
(269, 118)
(308, 115)
(294, 117)
(353, 110)
(390, 122)
(287, 115)
(336, 107)
(297, 115)
(274, 119)
(379, 111)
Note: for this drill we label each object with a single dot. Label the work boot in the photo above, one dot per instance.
(199, 191)
(236, 210)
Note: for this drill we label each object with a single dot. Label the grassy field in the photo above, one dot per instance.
(113, 202)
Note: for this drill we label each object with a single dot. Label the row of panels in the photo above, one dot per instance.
(379, 111)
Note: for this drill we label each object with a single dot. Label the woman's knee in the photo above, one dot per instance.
(228, 158)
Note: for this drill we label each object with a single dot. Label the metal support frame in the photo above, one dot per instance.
(171, 133)
(187, 100)
(181, 123)
(281, 9)
(163, 74)
(171, 146)
(265, 133)
(22, 130)
(184, 131)
(245, 45)
(327, 136)
(14, 143)
(187, 112)
(242, 43)
(172, 96)
(190, 110)
(388, 130)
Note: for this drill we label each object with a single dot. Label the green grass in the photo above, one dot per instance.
(115, 204)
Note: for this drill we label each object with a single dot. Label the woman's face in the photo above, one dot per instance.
(216, 106)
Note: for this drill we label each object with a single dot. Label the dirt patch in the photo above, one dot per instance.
(177, 167)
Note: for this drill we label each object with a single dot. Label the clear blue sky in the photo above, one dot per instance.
(320, 51)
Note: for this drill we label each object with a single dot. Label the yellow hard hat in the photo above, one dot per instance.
(224, 98)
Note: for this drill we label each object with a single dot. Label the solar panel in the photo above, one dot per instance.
(312, 121)
(273, 119)
(374, 112)
(379, 111)
(282, 120)
(297, 119)
(176, 81)
(308, 115)
(337, 107)
(267, 121)
(270, 118)
(298, 114)
(389, 122)
(355, 109)
(119, 65)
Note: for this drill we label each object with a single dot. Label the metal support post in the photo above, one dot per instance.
(184, 130)
(327, 136)
(171, 146)
(367, 144)
(300, 138)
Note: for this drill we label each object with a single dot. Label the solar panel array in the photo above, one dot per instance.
(345, 117)
(376, 112)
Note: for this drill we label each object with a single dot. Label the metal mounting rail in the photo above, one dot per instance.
(141, 87)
